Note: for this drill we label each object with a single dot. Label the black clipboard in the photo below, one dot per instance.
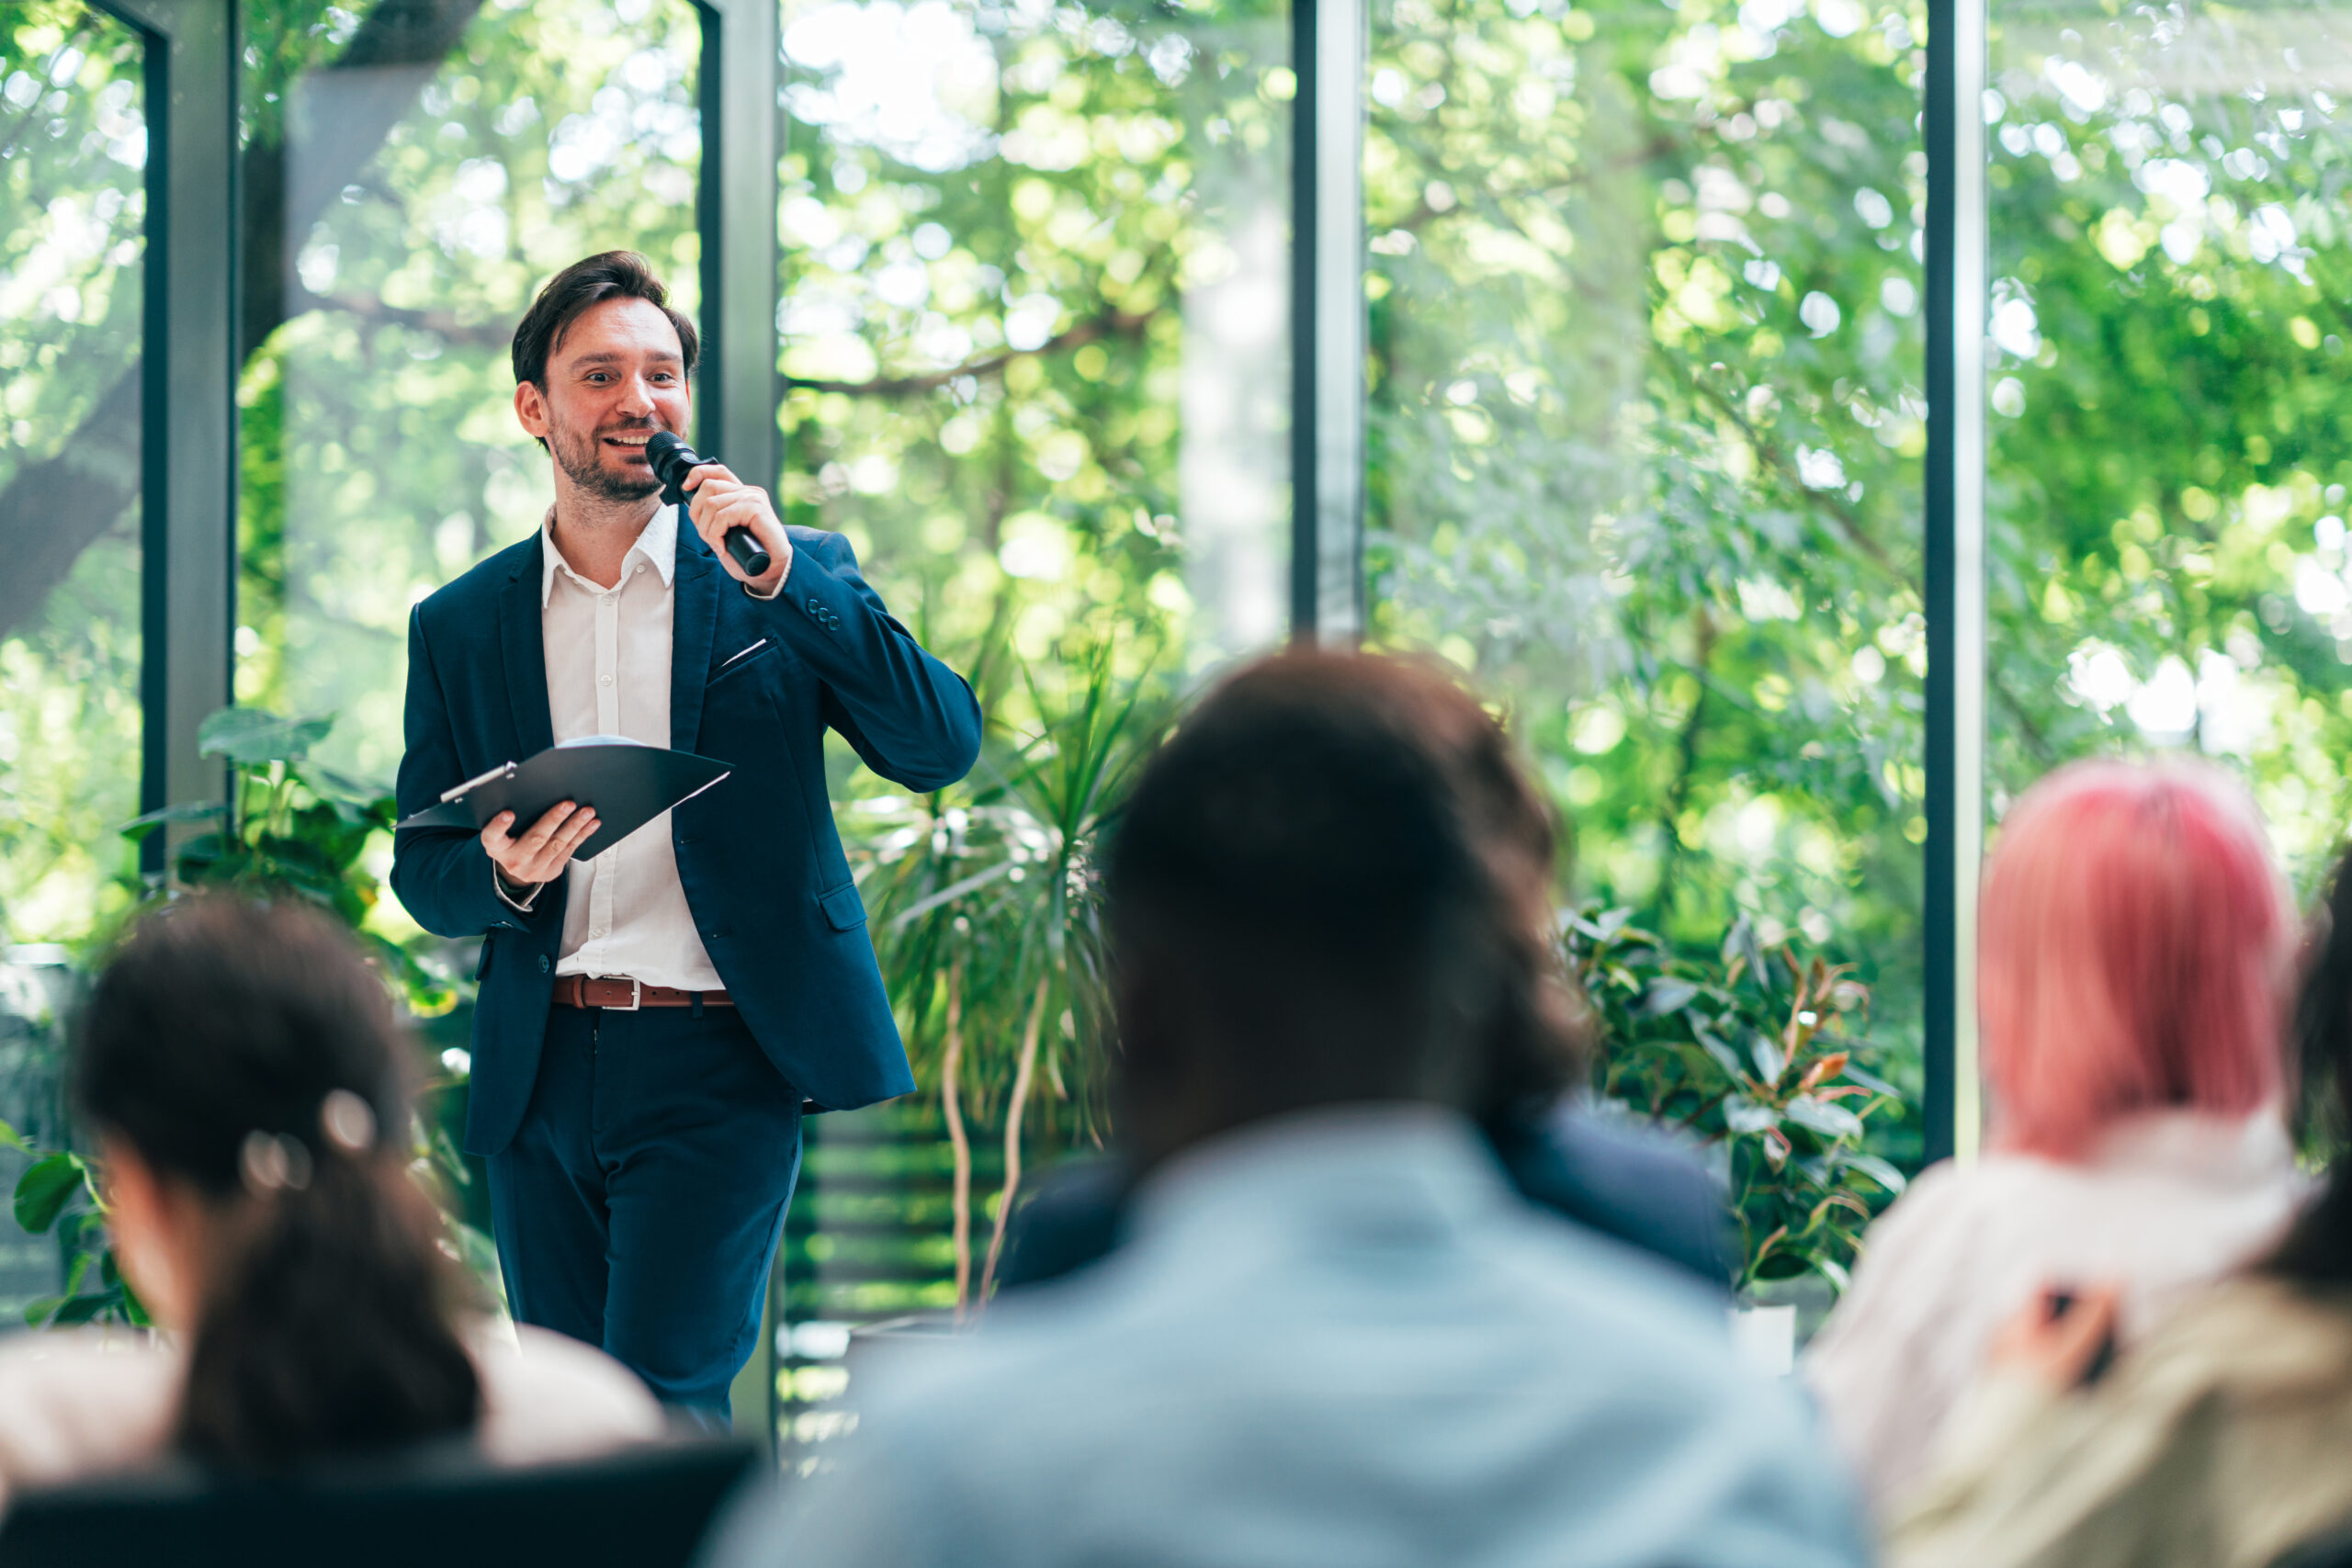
(628, 783)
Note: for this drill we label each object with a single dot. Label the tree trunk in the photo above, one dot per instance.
(951, 1101)
(1678, 794)
(54, 510)
(1015, 1114)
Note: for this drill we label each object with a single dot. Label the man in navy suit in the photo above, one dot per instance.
(652, 1022)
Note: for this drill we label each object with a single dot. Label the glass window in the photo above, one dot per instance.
(2167, 440)
(420, 204)
(1647, 428)
(73, 211)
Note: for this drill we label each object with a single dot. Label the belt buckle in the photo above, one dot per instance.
(636, 997)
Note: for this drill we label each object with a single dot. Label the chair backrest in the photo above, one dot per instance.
(643, 1509)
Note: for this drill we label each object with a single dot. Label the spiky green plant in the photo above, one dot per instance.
(988, 916)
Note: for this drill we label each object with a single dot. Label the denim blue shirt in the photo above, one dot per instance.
(1338, 1338)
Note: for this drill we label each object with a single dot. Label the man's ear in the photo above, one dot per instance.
(531, 408)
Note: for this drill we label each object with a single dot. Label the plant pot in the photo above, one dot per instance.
(1765, 1339)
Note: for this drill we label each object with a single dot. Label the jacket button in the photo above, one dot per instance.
(546, 964)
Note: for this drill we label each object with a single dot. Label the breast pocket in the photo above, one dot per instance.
(755, 656)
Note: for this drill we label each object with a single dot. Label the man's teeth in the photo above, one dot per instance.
(629, 440)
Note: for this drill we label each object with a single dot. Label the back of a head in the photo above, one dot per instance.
(1319, 894)
(247, 1052)
(2318, 1250)
(2133, 935)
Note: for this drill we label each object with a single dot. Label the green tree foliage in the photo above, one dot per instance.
(72, 204)
(1019, 242)
(1646, 421)
(2169, 262)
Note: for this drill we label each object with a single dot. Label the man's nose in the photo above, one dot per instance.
(637, 399)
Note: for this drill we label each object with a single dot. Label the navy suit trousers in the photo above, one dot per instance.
(640, 1202)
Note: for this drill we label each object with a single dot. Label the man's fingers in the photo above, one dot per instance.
(551, 857)
(544, 827)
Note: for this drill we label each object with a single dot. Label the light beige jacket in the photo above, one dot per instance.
(80, 1403)
(2220, 1441)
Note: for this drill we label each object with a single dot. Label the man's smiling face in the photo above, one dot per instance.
(617, 377)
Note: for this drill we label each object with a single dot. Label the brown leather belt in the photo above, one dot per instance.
(627, 996)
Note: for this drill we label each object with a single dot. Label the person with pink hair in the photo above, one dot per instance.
(2134, 947)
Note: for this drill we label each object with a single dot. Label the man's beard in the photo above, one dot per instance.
(581, 457)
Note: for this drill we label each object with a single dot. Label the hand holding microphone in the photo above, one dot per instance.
(719, 504)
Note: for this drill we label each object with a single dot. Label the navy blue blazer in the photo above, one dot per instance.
(762, 867)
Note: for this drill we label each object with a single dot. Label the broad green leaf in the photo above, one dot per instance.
(1665, 995)
(1830, 1120)
(75, 1311)
(255, 735)
(1723, 1055)
(331, 785)
(185, 811)
(1878, 1170)
(44, 1189)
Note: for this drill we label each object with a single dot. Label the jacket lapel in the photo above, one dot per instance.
(694, 622)
(522, 641)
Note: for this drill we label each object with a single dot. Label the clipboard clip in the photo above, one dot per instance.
(503, 770)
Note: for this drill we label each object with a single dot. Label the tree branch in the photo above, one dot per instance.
(1841, 512)
(1110, 323)
(1678, 795)
(373, 310)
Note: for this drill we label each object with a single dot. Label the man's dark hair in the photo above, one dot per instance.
(1316, 896)
(614, 275)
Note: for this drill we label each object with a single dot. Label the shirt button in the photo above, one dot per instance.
(603, 679)
(596, 931)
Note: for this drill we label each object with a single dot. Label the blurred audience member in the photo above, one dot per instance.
(2134, 941)
(1621, 1181)
(241, 1069)
(2220, 1441)
(1334, 1335)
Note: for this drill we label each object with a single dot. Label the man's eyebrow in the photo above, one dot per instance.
(608, 356)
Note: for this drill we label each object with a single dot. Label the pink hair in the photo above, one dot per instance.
(2132, 945)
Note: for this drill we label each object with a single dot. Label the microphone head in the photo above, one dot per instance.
(671, 460)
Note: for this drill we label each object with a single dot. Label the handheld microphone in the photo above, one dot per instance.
(673, 460)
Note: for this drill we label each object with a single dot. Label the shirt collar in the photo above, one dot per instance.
(1385, 1168)
(657, 545)
(2199, 1145)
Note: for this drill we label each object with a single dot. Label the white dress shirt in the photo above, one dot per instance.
(608, 673)
(2166, 1202)
(1336, 1339)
